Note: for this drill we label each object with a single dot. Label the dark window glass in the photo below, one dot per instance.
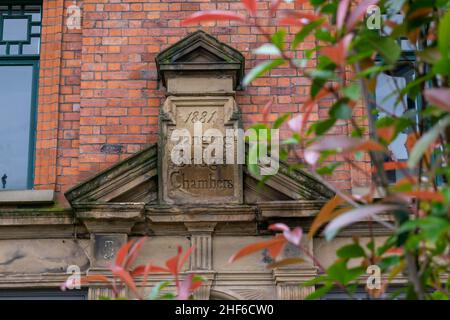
(394, 292)
(43, 294)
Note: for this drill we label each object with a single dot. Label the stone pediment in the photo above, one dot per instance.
(202, 52)
(135, 179)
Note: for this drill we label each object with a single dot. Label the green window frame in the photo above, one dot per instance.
(31, 11)
(33, 111)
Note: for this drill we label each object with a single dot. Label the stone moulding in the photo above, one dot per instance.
(200, 51)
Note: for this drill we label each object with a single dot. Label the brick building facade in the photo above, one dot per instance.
(98, 85)
(98, 105)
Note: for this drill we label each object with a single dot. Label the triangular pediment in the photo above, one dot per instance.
(135, 179)
(200, 52)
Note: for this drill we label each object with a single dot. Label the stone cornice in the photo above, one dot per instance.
(109, 217)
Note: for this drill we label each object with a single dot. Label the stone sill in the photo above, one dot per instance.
(27, 197)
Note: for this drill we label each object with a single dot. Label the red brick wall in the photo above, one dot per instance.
(108, 91)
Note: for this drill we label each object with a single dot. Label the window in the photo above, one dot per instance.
(43, 294)
(20, 28)
(392, 292)
(388, 84)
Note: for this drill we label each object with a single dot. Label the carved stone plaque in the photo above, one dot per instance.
(106, 247)
(197, 181)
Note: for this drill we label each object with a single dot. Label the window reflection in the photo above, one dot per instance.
(15, 114)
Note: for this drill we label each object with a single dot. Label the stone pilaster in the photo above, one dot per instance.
(201, 261)
(288, 283)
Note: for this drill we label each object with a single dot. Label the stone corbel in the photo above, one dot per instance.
(109, 226)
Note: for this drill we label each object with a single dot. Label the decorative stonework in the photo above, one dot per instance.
(288, 282)
(201, 240)
(198, 183)
(105, 248)
(200, 75)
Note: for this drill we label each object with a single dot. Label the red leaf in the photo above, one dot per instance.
(250, 5)
(338, 52)
(397, 251)
(126, 278)
(311, 157)
(143, 269)
(341, 13)
(359, 12)
(296, 123)
(293, 236)
(291, 21)
(279, 227)
(300, 19)
(274, 242)
(394, 165)
(275, 249)
(356, 215)
(274, 4)
(184, 289)
(368, 145)
(172, 263)
(212, 15)
(132, 255)
(266, 109)
(439, 97)
(185, 257)
(386, 133)
(85, 280)
(196, 284)
(345, 144)
(325, 214)
(122, 254)
(426, 195)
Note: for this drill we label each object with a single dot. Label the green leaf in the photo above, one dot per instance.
(430, 55)
(306, 30)
(261, 69)
(386, 47)
(157, 289)
(444, 36)
(267, 49)
(319, 292)
(426, 140)
(291, 140)
(329, 169)
(322, 74)
(314, 281)
(321, 127)
(339, 272)
(341, 110)
(280, 120)
(353, 91)
(351, 251)
(278, 38)
(324, 35)
(168, 296)
(316, 86)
